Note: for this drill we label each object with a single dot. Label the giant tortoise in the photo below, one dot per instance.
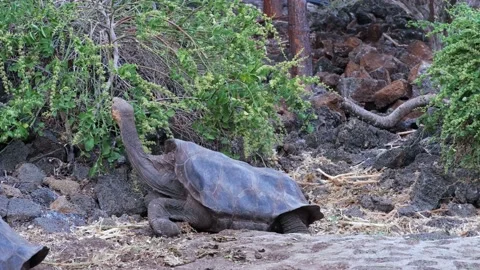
(16, 253)
(211, 191)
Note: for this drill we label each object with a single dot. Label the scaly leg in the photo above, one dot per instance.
(163, 212)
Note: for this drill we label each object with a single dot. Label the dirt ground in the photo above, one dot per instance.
(113, 249)
(375, 240)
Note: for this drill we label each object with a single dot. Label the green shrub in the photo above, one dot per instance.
(456, 70)
(198, 69)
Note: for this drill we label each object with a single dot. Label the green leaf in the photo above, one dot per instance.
(89, 144)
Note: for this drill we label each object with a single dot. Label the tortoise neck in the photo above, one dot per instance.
(131, 141)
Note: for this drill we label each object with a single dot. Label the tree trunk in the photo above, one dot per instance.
(299, 36)
(273, 8)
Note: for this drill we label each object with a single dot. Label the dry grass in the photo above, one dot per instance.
(336, 193)
(123, 245)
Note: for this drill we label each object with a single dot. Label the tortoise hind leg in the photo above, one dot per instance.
(198, 216)
(161, 214)
(291, 222)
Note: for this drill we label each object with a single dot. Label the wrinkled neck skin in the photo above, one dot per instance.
(162, 179)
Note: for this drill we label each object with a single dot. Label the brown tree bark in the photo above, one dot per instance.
(273, 8)
(299, 36)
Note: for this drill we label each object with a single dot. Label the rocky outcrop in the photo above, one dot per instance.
(117, 196)
(380, 58)
(257, 250)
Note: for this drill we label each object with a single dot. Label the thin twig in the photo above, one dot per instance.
(362, 223)
(193, 41)
(325, 174)
(34, 159)
(359, 183)
(393, 41)
(406, 132)
(361, 176)
(112, 39)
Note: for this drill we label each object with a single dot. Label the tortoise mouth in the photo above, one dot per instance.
(116, 116)
(121, 109)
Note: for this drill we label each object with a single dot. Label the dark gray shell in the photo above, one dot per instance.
(15, 252)
(235, 188)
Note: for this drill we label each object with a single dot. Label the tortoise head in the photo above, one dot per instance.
(121, 109)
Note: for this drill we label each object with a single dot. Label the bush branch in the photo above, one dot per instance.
(393, 118)
(109, 21)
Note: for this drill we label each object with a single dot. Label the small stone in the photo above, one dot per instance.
(359, 52)
(461, 210)
(13, 154)
(52, 225)
(374, 60)
(47, 165)
(29, 176)
(43, 196)
(117, 196)
(62, 205)
(355, 71)
(354, 211)
(330, 79)
(374, 32)
(96, 215)
(421, 85)
(376, 203)
(429, 188)
(325, 65)
(356, 134)
(352, 42)
(239, 255)
(417, 70)
(364, 17)
(344, 47)
(398, 76)
(444, 223)
(22, 210)
(470, 233)
(331, 100)
(53, 222)
(391, 93)
(381, 74)
(420, 50)
(108, 222)
(3, 205)
(407, 211)
(47, 143)
(84, 203)
(467, 193)
(80, 172)
(10, 192)
(361, 90)
(28, 172)
(65, 187)
(397, 157)
(409, 59)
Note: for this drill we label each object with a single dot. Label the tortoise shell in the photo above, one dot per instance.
(234, 188)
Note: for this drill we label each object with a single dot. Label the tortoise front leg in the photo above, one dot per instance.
(163, 212)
